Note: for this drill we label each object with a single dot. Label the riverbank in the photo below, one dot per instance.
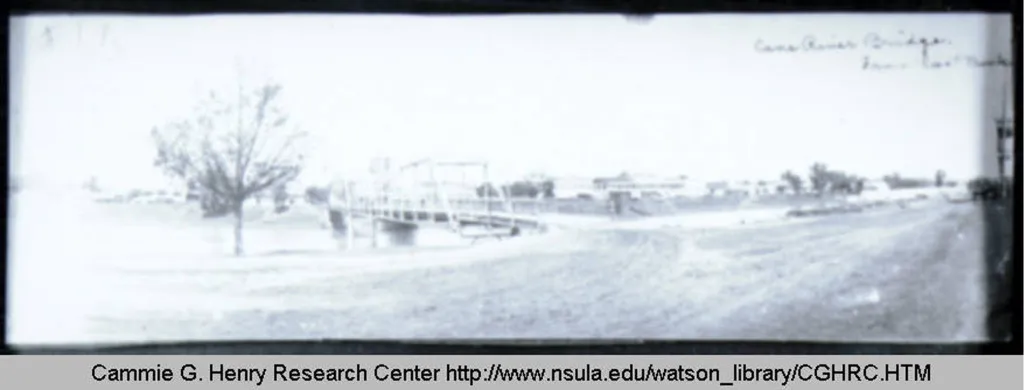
(899, 274)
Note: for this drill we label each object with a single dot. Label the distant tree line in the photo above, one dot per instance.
(896, 182)
(823, 180)
(519, 189)
(318, 195)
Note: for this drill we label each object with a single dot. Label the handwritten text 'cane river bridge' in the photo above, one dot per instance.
(876, 43)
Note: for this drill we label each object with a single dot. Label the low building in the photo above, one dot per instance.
(717, 188)
(875, 190)
(742, 188)
(774, 187)
(747, 188)
(640, 185)
(770, 187)
(574, 187)
(692, 188)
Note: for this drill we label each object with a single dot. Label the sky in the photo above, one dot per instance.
(563, 95)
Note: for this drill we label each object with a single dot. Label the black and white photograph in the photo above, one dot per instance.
(780, 177)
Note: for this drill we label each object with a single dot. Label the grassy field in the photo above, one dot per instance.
(108, 275)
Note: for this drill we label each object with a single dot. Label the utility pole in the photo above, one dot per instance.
(487, 195)
(1004, 132)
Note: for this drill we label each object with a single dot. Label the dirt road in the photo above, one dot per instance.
(907, 275)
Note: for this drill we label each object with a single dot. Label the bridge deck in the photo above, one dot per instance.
(413, 202)
(443, 216)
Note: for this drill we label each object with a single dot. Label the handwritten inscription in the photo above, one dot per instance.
(873, 41)
(809, 43)
(933, 63)
(901, 41)
(873, 64)
(876, 43)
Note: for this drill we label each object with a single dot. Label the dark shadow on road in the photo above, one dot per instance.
(999, 244)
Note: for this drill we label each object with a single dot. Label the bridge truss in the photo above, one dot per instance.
(455, 193)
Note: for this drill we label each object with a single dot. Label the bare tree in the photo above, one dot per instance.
(487, 190)
(893, 180)
(796, 183)
(317, 194)
(92, 184)
(819, 177)
(233, 148)
(824, 180)
(940, 178)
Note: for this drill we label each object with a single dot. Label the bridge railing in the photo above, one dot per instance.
(511, 206)
(458, 205)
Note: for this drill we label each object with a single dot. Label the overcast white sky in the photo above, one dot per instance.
(567, 95)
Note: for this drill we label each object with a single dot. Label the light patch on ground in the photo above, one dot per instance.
(866, 296)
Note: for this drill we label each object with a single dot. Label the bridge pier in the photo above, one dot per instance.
(337, 220)
(374, 226)
(389, 225)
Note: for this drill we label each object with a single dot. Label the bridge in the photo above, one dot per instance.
(452, 194)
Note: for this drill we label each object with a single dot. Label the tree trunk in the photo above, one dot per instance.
(239, 251)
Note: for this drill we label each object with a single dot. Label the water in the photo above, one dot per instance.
(423, 236)
(407, 238)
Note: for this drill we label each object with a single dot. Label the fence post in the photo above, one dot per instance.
(350, 230)
(374, 226)
(487, 196)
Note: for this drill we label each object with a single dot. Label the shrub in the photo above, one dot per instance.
(989, 188)
(214, 206)
(318, 195)
(281, 199)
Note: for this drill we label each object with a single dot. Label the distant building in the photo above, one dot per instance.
(639, 185)
(776, 187)
(692, 188)
(574, 187)
(747, 188)
(717, 188)
(742, 188)
(875, 189)
(877, 185)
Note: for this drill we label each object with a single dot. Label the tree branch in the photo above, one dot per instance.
(205, 149)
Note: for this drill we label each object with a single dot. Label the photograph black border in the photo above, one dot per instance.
(638, 10)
